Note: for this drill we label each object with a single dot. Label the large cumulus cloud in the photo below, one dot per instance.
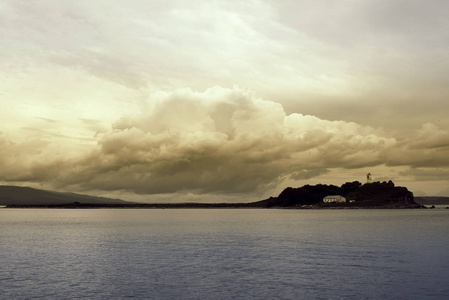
(219, 141)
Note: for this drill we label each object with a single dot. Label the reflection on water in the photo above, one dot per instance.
(224, 254)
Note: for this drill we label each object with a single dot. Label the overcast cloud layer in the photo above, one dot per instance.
(223, 99)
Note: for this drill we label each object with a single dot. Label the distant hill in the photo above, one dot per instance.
(432, 200)
(14, 195)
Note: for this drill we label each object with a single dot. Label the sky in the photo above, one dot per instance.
(222, 100)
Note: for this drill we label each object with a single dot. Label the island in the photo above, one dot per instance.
(321, 196)
(349, 195)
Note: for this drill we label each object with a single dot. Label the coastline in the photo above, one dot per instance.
(208, 206)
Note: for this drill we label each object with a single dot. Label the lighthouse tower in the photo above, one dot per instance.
(368, 178)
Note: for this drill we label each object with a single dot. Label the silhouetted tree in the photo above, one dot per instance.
(350, 187)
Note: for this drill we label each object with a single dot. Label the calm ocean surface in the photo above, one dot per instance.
(224, 254)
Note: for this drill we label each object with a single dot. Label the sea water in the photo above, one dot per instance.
(223, 254)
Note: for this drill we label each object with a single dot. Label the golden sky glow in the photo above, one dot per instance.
(223, 100)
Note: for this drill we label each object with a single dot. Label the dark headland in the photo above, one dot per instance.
(354, 195)
(25, 196)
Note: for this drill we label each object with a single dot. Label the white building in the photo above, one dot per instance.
(334, 199)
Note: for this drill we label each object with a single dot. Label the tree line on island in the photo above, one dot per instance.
(375, 194)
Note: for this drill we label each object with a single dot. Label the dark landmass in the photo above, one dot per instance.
(372, 195)
(432, 200)
(18, 196)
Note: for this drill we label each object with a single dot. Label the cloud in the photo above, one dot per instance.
(430, 136)
(389, 53)
(423, 148)
(17, 160)
(307, 174)
(220, 141)
(427, 174)
(371, 62)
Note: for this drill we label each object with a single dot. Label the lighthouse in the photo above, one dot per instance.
(368, 178)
